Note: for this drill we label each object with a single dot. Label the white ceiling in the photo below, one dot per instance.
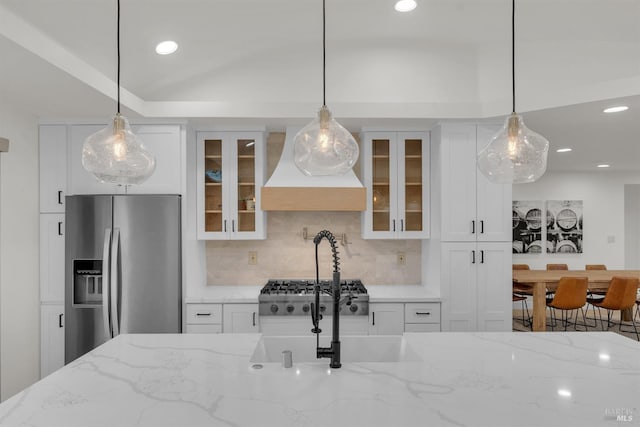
(259, 61)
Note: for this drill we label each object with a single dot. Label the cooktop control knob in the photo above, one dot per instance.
(305, 308)
(323, 308)
(274, 308)
(353, 308)
(289, 308)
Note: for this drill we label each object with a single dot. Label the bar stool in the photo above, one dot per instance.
(571, 294)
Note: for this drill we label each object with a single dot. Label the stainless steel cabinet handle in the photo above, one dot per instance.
(60, 320)
(203, 314)
(481, 226)
(420, 313)
(59, 197)
(473, 227)
(473, 257)
(59, 228)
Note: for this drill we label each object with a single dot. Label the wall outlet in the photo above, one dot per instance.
(253, 257)
(402, 258)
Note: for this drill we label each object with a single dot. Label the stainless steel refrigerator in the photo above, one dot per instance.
(123, 268)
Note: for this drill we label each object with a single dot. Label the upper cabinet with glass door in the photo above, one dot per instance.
(231, 170)
(396, 175)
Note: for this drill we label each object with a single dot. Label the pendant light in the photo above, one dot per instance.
(516, 154)
(324, 147)
(115, 154)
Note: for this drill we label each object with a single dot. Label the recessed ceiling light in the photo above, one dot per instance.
(616, 109)
(166, 47)
(604, 165)
(563, 392)
(563, 150)
(405, 5)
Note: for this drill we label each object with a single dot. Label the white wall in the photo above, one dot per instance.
(19, 281)
(603, 194)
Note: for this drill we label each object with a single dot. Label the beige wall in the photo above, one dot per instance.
(19, 239)
(284, 254)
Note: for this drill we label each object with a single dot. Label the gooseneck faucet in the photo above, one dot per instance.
(332, 352)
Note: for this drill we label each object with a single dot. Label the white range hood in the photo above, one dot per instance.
(289, 189)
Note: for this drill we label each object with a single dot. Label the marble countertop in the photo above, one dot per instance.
(461, 379)
(249, 294)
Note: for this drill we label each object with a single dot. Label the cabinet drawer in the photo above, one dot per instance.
(422, 312)
(204, 313)
(422, 327)
(204, 329)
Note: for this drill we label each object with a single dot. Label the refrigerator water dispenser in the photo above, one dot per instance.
(87, 282)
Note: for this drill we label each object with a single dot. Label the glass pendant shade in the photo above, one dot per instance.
(116, 155)
(514, 155)
(324, 147)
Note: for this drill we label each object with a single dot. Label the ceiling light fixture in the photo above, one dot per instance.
(516, 154)
(405, 5)
(324, 146)
(616, 109)
(115, 154)
(563, 150)
(166, 47)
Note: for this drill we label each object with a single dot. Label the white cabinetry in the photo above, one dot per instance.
(53, 168)
(204, 318)
(386, 318)
(164, 141)
(52, 258)
(475, 248)
(472, 208)
(240, 318)
(51, 338)
(422, 317)
(230, 172)
(396, 177)
(476, 289)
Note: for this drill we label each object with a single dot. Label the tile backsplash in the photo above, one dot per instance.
(285, 254)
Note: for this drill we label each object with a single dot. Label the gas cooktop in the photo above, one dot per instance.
(293, 297)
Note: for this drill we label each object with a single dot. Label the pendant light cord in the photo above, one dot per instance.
(513, 56)
(118, 55)
(324, 56)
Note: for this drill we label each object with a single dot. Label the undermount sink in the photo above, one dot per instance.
(367, 348)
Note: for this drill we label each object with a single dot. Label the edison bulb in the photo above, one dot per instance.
(116, 155)
(514, 155)
(324, 147)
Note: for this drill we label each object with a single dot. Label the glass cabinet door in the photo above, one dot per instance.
(246, 189)
(413, 191)
(381, 184)
(213, 221)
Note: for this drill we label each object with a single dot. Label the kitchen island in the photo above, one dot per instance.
(458, 379)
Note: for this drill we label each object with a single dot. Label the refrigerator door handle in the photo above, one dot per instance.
(115, 252)
(106, 281)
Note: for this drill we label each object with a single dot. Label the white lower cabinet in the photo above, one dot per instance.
(204, 318)
(240, 318)
(51, 338)
(476, 286)
(301, 325)
(422, 317)
(386, 318)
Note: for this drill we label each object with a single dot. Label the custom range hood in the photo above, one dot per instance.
(289, 189)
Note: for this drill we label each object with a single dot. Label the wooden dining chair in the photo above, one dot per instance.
(621, 295)
(595, 293)
(571, 294)
(520, 293)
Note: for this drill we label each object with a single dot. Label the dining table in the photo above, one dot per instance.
(542, 280)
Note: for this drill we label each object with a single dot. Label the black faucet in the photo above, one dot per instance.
(332, 352)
